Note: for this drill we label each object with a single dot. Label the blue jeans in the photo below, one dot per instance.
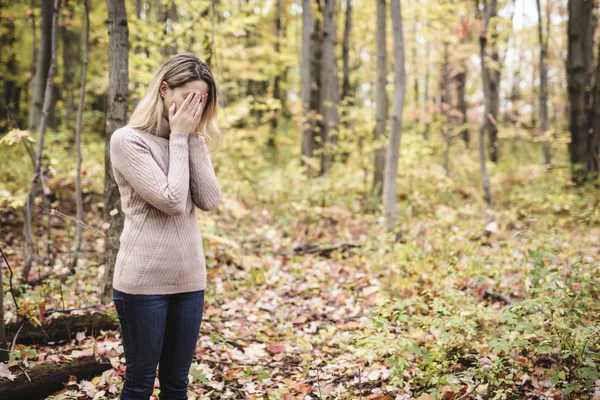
(163, 330)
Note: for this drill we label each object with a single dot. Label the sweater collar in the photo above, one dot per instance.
(164, 128)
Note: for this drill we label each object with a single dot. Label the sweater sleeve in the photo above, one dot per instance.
(133, 159)
(204, 186)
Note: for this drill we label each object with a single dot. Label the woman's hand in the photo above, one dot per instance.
(187, 117)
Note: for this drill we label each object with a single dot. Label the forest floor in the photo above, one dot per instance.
(453, 308)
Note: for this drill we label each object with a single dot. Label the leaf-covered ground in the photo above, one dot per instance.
(443, 310)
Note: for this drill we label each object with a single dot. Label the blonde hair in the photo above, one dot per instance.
(177, 71)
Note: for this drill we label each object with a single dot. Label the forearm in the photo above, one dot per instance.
(204, 186)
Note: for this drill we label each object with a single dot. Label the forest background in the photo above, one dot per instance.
(410, 195)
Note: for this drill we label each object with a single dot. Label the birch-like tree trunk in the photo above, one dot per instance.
(307, 125)
(487, 113)
(543, 85)
(330, 89)
(42, 69)
(37, 179)
(118, 96)
(381, 99)
(390, 203)
(78, 192)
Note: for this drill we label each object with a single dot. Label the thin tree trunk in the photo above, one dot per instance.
(78, 191)
(485, 75)
(37, 173)
(579, 74)
(118, 96)
(346, 51)
(9, 100)
(390, 203)
(276, 84)
(32, 68)
(330, 89)
(307, 125)
(43, 64)
(69, 56)
(414, 64)
(543, 86)
(493, 89)
(381, 100)
(4, 350)
(426, 100)
(461, 83)
(445, 103)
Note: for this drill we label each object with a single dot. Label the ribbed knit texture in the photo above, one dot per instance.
(161, 176)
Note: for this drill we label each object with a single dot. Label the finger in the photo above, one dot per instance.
(172, 110)
(187, 101)
(198, 107)
(201, 106)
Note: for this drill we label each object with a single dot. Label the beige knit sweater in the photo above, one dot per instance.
(160, 178)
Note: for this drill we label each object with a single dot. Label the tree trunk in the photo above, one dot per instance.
(118, 96)
(543, 87)
(70, 56)
(381, 99)
(63, 328)
(485, 76)
(37, 173)
(43, 65)
(42, 380)
(579, 78)
(9, 101)
(330, 89)
(426, 100)
(346, 52)
(277, 81)
(78, 190)
(414, 63)
(493, 88)
(172, 17)
(390, 204)
(307, 79)
(445, 103)
(461, 83)
(4, 349)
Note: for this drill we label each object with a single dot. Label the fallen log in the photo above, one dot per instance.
(45, 379)
(322, 251)
(63, 328)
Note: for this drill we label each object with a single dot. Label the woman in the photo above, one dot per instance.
(162, 167)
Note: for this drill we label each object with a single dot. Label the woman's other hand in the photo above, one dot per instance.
(186, 118)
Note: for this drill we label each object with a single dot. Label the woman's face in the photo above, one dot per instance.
(178, 94)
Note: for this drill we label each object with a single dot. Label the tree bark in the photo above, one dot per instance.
(4, 349)
(390, 203)
(37, 173)
(78, 190)
(493, 87)
(278, 77)
(118, 96)
(42, 69)
(487, 113)
(63, 328)
(445, 103)
(330, 89)
(381, 100)
(307, 77)
(346, 51)
(426, 100)
(461, 83)
(70, 56)
(45, 379)
(579, 78)
(543, 86)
